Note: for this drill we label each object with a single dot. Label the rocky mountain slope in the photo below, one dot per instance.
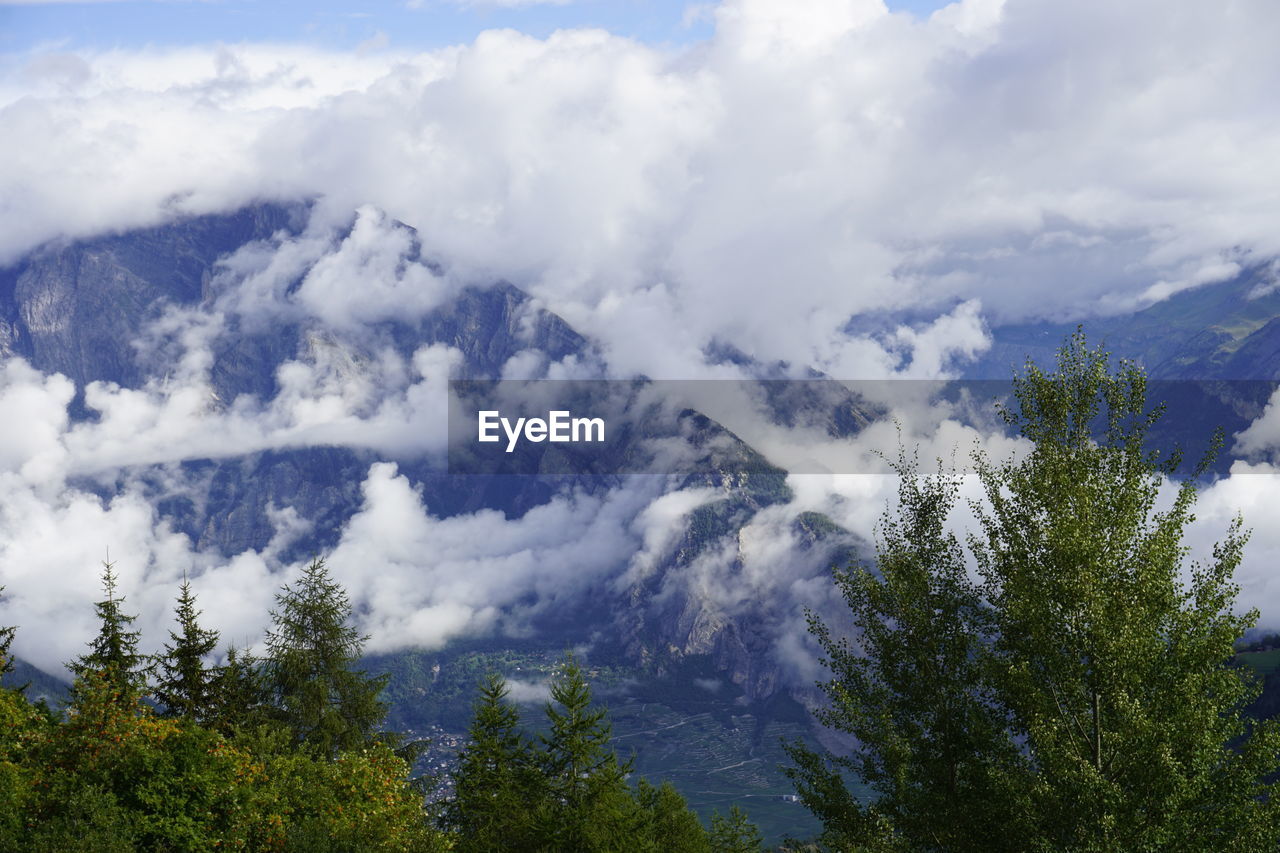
(121, 310)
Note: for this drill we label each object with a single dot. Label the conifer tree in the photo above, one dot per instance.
(1079, 695)
(734, 833)
(590, 804)
(185, 685)
(113, 657)
(310, 672)
(497, 787)
(238, 692)
(665, 823)
(6, 640)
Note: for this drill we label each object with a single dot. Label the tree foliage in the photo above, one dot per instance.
(310, 669)
(588, 803)
(185, 686)
(238, 693)
(113, 655)
(248, 756)
(565, 791)
(115, 775)
(498, 785)
(665, 823)
(1076, 694)
(6, 640)
(733, 833)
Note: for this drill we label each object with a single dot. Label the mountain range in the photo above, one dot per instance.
(120, 312)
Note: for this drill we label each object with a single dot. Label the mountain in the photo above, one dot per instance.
(691, 653)
(131, 312)
(80, 309)
(90, 311)
(1228, 330)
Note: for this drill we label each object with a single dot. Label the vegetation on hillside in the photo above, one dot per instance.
(287, 753)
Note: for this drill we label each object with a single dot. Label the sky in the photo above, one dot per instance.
(412, 24)
(672, 180)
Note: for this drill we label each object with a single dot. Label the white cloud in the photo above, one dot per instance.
(528, 692)
(810, 163)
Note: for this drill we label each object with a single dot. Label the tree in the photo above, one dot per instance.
(497, 786)
(311, 654)
(590, 804)
(113, 655)
(1078, 695)
(185, 686)
(238, 692)
(734, 833)
(1114, 671)
(569, 795)
(6, 640)
(912, 691)
(666, 823)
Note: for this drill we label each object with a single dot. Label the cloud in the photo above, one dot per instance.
(1262, 437)
(807, 164)
(1250, 492)
(529, 692)
(424, 579)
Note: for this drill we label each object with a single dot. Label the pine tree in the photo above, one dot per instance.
(665, 823)
(1080, 695)
(590, 805)
(238, 692)
(497, 787)
(185, 686)
(310, 674)
(6, 640)
(734, 833)
(113, 657)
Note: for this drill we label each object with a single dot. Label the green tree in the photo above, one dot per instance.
(359, 801)
(113, 655)
(310, 670)
(590, 806)
(497, 786)
(184, 685)
(1084, 697)
(734, 833)
(665, 822)
(935, 746)
(24, 728)
(1114, 671)
(238, 693)
(6, 640)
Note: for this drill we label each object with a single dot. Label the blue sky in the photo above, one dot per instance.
(134, 23)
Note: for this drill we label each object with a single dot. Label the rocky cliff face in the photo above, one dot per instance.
(81, 309)
(77, 309)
